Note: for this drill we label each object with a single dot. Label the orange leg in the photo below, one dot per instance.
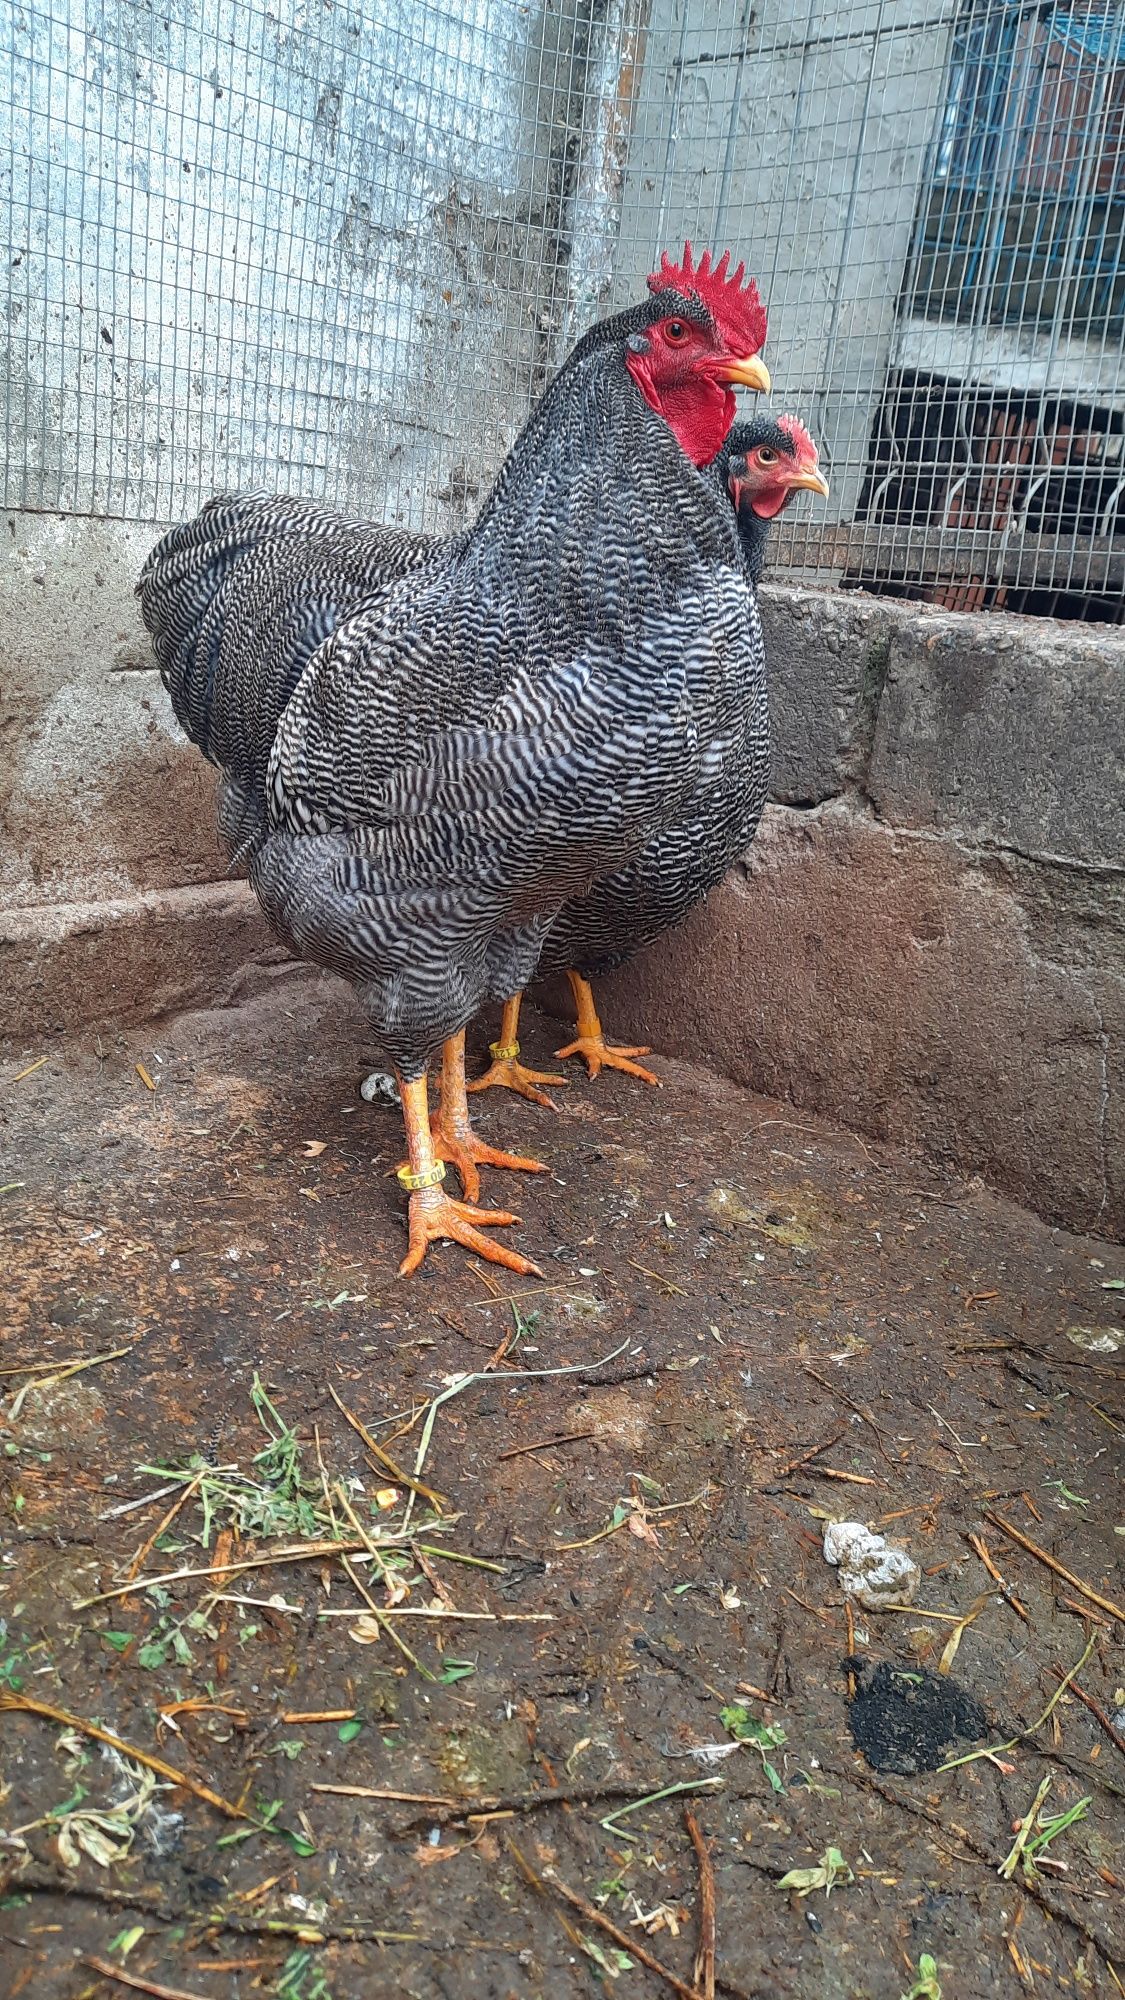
(433, 1213)
(453, 1135)
(590, 1043)
(507, 1071)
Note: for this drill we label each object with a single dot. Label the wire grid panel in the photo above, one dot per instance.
(339, 248)
(323, 247)
(932, 195)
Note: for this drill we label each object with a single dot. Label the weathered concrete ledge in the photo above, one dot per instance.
(927, 938)
(918, 988)
(69, 966)
(1008, 729)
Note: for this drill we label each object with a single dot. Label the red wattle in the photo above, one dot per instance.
(698, 412)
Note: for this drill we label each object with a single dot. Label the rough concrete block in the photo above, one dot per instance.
(68, 966)
(920, 991)
(1007, 730)
(826, 656)
(100, 792)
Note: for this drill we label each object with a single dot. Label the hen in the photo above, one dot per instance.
(514, 717)
(762, 466)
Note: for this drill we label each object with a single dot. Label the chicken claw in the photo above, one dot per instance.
(507, 1072)
(433, 1215)
(464, 1151)
(590, 1043)
(453, 1137)
(598, 1054)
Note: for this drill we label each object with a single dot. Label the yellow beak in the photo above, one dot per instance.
(810, 482)
(750, 374)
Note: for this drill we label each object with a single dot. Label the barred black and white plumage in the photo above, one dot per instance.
(237, 601)
(439, 745)
(630, 908)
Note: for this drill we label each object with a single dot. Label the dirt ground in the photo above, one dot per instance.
(756, 1324)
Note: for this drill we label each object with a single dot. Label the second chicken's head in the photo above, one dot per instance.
(770, 461)
(704, 334)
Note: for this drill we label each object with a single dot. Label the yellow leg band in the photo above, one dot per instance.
(503, 1051)
(428, 1177)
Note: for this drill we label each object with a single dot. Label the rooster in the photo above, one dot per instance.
(763, 465)
(513, 717)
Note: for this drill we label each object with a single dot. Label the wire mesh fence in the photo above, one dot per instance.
(321, 246)
(337, 246)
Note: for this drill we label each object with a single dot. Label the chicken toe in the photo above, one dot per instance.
(454, 1139)
(590, 1042)
(507, 1072)
(432, 1213)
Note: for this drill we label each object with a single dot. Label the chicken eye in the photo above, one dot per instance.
(766, 456)
(676, 332)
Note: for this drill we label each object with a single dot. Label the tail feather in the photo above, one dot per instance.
(181, 576)
(237, 600)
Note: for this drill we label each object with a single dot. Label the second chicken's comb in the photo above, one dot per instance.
(805, 448)
(736, 309)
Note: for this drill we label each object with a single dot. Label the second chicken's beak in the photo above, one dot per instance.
(749, 374)
(810, 481)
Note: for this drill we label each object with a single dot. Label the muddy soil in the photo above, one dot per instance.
(767, 1324)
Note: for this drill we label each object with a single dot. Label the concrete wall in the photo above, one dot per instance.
(331, 250)
(97, 798)
(113, 902)
(927, 938)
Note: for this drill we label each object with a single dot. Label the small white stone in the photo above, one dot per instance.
(379, 1088)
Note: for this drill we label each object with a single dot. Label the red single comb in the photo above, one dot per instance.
(806, 449)
(736, 309)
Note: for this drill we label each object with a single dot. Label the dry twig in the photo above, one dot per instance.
(41, 1881)
(437, 1500)
(146, 1548)
(319, 1715)
(979, 1547)
(105, 1970)
(511, 1803)
(290, 1552)
(544, 1444)
(198, 1705)
(852, 1478)
(30, 1070)
(25, 1704)
(379, 1792)
(794, 1464)
(1050, 1562)
(622, 1939)
(536, 1882)
(56, 1374)
(1088, 1701)
(703, 1971)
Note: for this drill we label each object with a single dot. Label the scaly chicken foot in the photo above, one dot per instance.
(453, 1136)
(590, 1043)
(432, 1213)
(507, 1072)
